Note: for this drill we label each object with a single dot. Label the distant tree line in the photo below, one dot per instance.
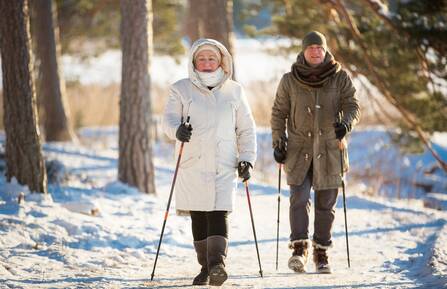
(399, 46)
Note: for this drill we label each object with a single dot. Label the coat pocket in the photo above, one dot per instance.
(333, 159)
(191, 154)
(295, 156)
(226, 121)
(298, 115)
(292, 117)
(227, 152)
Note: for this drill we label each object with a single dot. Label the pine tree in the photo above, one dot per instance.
(51, 87)
(135, 166)
(24, 160)
(405, 50)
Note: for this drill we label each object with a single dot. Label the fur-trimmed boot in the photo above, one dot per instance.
(321, 259)
(300, 252)
(217, 252)
(201, 251)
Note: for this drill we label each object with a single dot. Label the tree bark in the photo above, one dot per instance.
(24, 159)
(135, 137)
(211, 19)
(51, 85)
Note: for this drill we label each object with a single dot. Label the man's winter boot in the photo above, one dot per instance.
(201, 250)
(321, 259)
(217, 252)
(299, 255)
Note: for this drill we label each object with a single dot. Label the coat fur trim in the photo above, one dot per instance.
(305, 242)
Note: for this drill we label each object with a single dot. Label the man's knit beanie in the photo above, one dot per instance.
(314, 37)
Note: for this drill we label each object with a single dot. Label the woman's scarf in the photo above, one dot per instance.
(211, 79)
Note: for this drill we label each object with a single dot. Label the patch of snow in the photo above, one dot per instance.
(58, 244)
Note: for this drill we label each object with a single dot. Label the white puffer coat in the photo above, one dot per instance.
(223, 134)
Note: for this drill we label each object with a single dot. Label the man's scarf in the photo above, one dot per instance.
(315, 76)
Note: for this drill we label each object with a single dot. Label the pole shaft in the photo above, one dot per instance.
(344, 203)
(279, 207)
(253, 226)
(167, 207)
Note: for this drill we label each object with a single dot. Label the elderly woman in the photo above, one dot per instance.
(220, 141)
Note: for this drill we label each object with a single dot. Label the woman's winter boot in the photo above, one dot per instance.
(217, 252)
(201, 249)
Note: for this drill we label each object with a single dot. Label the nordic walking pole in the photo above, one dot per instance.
(341, 146)
(277, 222)
(253, 226)
(169, 202)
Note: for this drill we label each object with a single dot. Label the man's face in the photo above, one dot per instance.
(314, 54)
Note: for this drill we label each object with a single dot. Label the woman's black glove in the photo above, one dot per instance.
(243, 170)
(340, 129)
(184, 133)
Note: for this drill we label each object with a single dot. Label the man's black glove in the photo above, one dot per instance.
(280, 155)
(340, 129)
(183, 133)
(280, 150)
(243, 170)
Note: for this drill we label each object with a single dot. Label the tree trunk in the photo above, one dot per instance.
(24, 159)
(211, 19)
(51, 84)
(135, 137)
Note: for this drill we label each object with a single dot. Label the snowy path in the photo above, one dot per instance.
(391, 245)
(45, 245)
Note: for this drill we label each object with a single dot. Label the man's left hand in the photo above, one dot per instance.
(340, 130)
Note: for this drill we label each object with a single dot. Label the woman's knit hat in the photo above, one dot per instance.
(314, 37)
(211, 48)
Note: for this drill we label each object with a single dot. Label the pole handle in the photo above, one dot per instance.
(342, 144)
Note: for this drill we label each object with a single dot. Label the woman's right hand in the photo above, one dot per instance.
(184, 132)
(243, 170)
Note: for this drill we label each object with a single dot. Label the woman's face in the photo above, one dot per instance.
(206, 61)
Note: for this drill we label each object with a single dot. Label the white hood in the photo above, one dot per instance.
(226, 62)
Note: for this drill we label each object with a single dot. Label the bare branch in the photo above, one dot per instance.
(377, 9)
(409, 118)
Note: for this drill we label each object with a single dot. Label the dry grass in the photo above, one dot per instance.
(98, 105)
(93, 104)
(260, 96)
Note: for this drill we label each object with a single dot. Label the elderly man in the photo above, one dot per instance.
(316, 100)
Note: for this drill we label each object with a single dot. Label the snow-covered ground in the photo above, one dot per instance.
(94, 232)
